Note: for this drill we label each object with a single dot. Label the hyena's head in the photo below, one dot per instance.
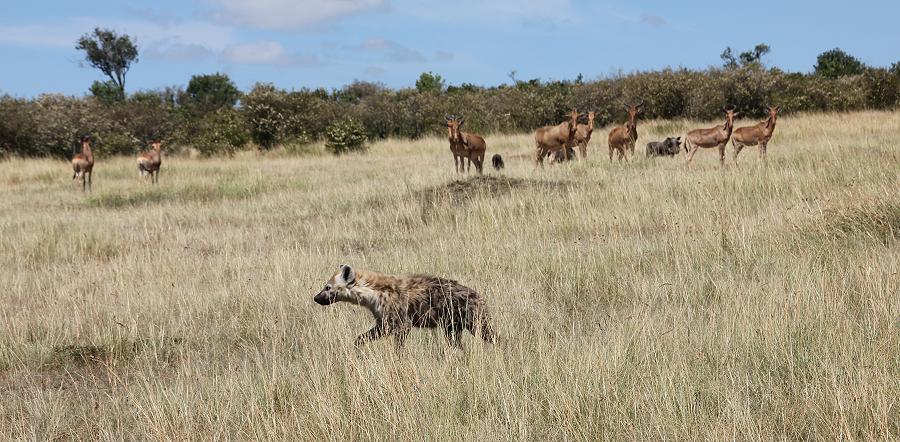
(338, 287)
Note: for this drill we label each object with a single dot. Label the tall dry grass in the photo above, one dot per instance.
(634, 301)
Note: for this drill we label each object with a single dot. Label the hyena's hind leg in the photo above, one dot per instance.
(481, 326)
(453, 333)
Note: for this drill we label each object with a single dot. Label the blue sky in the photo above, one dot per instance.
(308, 43)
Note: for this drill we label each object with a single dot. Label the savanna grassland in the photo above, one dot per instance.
(641, 300)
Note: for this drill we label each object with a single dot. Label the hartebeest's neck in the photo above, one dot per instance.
(86, 151)
(769, 126)
(729, 126)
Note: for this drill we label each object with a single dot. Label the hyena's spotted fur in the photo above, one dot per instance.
(400, 303)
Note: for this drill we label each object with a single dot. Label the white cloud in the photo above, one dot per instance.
(547, 12)
(289, 14)
(390, 50)
(653, 20)
(63, 34)
(267, 53)
(177, 52)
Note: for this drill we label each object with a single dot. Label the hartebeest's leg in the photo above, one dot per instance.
(539, 157)
(737, 149)
(762, 151)
(722, 154)
(691, 153)
(583, 149)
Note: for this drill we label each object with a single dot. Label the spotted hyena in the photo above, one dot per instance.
(399, 303)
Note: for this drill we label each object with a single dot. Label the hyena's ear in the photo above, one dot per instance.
(348, 275)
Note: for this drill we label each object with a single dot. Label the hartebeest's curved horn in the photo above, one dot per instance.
(641, 104)
(448, 117)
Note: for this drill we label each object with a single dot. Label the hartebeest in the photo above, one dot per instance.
(464, 145)
(149, 162)
(83, 163)
(583, 135)
(624, 137)
(713, 137)
(549, 139)
(758, 134)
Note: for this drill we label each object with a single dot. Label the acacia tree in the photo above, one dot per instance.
(113, 54)
(746, 58)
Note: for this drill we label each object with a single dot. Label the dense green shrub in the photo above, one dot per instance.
(50, 125)
(345, 135)
(207, 93)
(221, 131)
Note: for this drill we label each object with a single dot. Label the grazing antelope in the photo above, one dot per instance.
(400, 303)
(83, 164)
(497, 160)
(148, 163)
(464, 145)
(758, 134)
(550, 139)
(623, 138)
(713, 137)
(583, 135)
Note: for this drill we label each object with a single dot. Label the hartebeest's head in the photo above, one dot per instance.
(633, 111)
(773, 115)
(453, 124)
(86, 145)
(591, 116)
(730, 115)
(573, 122)
(156, 144)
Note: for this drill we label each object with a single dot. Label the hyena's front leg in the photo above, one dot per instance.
(374, 333)
(401, 331)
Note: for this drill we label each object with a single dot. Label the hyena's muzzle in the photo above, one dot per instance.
(325, 297)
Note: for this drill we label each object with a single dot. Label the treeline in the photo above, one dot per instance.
(213, 116)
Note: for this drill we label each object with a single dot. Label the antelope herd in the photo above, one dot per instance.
(558, 142)
(554, 142)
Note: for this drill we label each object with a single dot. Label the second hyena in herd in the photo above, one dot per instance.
(400, 303)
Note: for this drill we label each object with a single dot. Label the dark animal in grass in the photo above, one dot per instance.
(497, 161)
(668, 147)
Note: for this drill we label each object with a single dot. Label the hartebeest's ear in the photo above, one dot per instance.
(347, 276)
(777, 109)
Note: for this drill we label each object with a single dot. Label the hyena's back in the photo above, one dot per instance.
(440, 302)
